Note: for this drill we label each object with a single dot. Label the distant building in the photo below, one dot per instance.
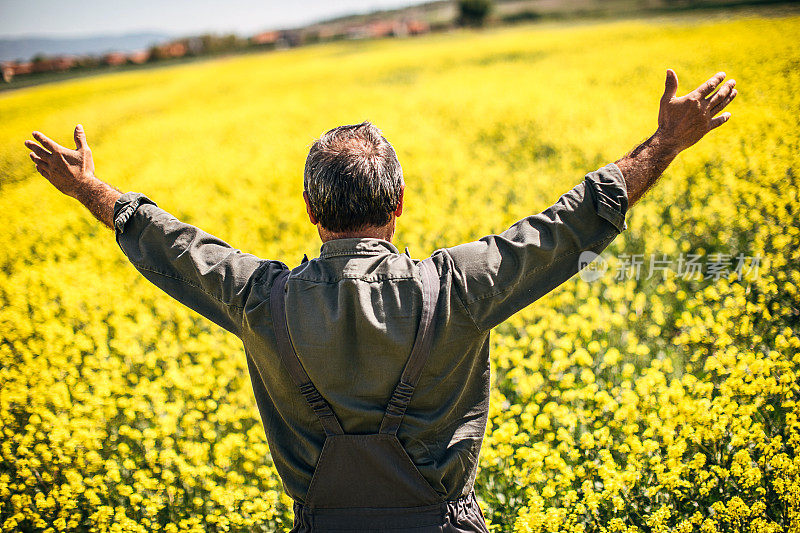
(171, 50)
(417, 27)
(61, 63)
(11, 69)
(378, 29)
(115, 59)
(290, 39)
(139, 57)
(328, 33)
(265, 38)
(8, 69)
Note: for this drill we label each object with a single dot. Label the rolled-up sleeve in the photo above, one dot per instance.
(194, 267)
(499, 275)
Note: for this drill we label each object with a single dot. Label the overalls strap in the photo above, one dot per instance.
(419, 353)
(287, 353)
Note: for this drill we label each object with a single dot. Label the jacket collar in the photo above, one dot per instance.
(356, 246)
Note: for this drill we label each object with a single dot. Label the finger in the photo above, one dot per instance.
(38, 161)
(722, 105)
(670, 85)
(44, 171)
(80, 138)
(47, 142)
(724, 90)
(716, 122)
(709, 86)
(38, 150)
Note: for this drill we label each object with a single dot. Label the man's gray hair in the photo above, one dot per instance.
(353, 178)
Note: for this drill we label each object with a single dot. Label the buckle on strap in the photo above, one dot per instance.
(397, 408)
(315, 400)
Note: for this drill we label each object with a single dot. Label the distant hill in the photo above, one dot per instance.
(24, 48)
(438, 14)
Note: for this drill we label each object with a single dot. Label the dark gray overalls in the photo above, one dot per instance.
(368, 482)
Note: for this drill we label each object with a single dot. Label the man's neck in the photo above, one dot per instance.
(371, 232)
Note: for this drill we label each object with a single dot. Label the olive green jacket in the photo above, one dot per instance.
(353, 314)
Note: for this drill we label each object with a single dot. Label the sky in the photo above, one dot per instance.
(73, 18)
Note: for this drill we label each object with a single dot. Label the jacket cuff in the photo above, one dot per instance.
(607, 186)
(126, 206)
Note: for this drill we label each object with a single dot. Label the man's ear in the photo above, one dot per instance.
(311, 216)
(399, 210)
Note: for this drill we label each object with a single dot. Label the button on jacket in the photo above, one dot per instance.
(353, 314)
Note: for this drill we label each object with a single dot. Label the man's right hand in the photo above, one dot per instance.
(72, 173)
(684, 120)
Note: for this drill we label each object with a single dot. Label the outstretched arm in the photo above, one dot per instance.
(72, 172)
(498, 275)
(197, 269)
(682, 121)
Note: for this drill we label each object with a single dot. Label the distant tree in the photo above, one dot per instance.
(156, 54)
(473, 12)
(88, 62)
(217, 44)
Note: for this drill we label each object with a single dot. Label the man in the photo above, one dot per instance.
(370, 369)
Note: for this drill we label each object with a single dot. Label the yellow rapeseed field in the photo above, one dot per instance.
(662, 401)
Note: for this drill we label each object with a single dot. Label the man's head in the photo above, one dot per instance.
(353, 183)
